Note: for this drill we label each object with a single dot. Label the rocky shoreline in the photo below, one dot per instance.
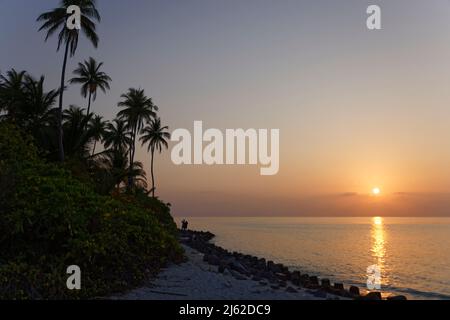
(269, 273)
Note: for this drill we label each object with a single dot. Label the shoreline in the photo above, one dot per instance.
(214, 273)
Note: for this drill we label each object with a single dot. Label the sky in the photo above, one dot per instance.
(356, 109)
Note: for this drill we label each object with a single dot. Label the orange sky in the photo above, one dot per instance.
(355, 108)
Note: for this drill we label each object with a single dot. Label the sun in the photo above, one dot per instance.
(377, 221)
(376, 191)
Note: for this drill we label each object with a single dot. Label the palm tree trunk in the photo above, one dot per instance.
(89, 103)
(60, 109)
(132, 152)
(153, 176)
(93, 150)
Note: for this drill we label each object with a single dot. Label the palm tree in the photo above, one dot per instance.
(113, 170)
(77, 135)
(138, 109)
(36, 110)
(91, 78)
(156, 137)
(98, 128)
(117, 136)
(11, 92)
(55, 20)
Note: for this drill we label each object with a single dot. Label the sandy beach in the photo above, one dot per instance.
(198, 280)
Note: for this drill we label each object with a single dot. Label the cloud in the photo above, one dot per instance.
(348, 194)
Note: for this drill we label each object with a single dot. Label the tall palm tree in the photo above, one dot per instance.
(98, 128)
(117, 136)
(90, 77)
(55, 20)
(138, 109)
(155, 136)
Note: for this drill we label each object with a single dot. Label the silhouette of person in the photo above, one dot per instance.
(184, 225)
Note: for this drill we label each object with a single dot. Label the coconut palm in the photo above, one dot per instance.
(11, 92)
(98, 128)
(137, 110)
(36, 110)
(77, 135)
(90, 77)
(56, 20)
(112, 171)
(155, 136)
(117, 136)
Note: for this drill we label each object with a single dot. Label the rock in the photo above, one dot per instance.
(326, 283)
(397, 298)
(234, 265)
(278, 268)
(213, 260)
(291, 290)
(222, 268)
(268, 275)
(304, 279)
(339, 286)
(373, 296)
(237, 275)
(282, 284)
(354, 291)
(295, 277)
(313, 280)
(263, 283)
(282, 276)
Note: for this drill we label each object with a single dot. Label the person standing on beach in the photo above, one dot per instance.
(184, 225)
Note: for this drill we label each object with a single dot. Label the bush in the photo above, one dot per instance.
(49, 221)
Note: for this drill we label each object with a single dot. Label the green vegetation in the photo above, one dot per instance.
(49, 220)
(71, 192)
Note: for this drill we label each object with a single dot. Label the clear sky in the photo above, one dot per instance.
(357, 109)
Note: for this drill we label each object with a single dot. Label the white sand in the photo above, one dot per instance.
(197, 280)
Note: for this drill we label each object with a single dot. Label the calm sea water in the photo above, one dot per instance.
(412, 253)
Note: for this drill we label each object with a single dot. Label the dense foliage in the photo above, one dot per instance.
(50, 220)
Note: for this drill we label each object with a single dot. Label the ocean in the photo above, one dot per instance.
(412, 254)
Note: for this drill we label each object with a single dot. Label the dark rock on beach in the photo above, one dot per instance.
(326, 283)
(267, 273)
(372, 296)
(354, 291)
(396, 298)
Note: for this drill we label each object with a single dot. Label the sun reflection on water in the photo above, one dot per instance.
(378, 248)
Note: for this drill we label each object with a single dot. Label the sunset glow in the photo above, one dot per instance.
(377, 221)
(376, 191)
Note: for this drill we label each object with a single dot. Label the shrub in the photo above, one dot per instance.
(49, 221)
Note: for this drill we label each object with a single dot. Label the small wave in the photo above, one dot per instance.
(418, 294)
